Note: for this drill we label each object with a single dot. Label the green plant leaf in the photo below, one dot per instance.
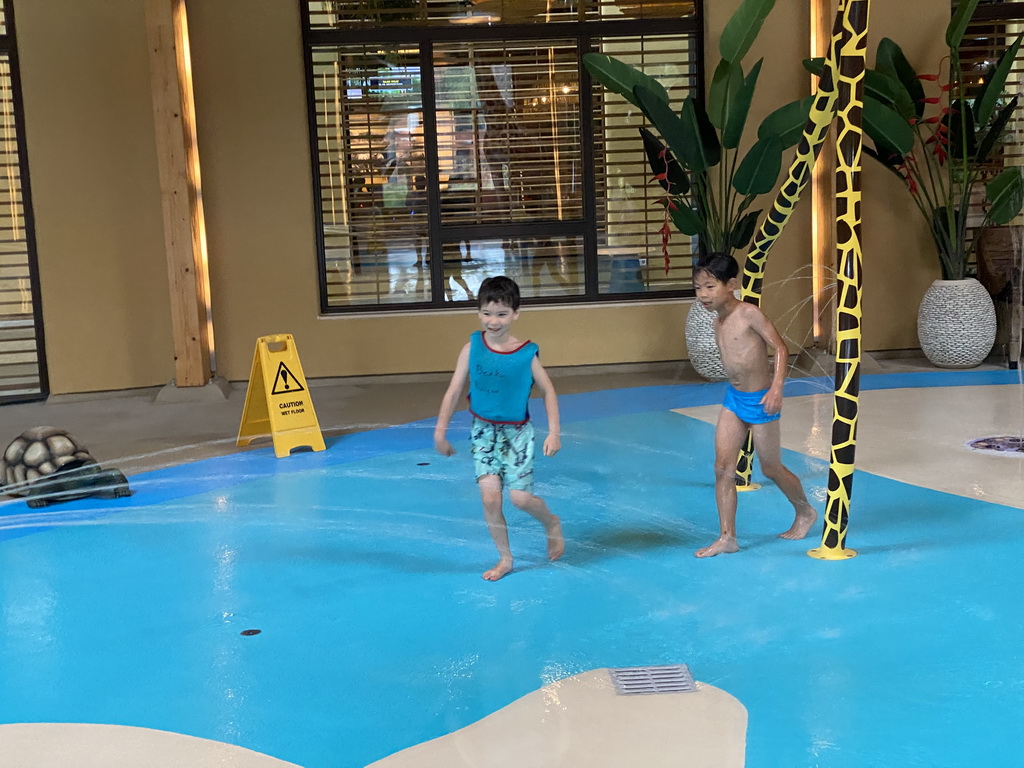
(815, 66)
(743, 231)
(958, 24)
(995, 132)
(666, 169)
(953, 122)
(700, 148)
(787, 122)
(949, 244)
(621, 78)
(889, 90)
(889, 60)
(725, 86)
(1006, 194)
(743, 27)
(686, 219)
(886, 128)
(668, 124)
(733, 131)
(759, 170)
(993, 90)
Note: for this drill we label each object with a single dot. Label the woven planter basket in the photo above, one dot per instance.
(700, 343)
(956, 323)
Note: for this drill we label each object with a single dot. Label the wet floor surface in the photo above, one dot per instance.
(361, 568)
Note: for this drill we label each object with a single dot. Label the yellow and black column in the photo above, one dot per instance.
(853, 49)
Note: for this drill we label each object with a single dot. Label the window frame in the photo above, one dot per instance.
(424, 37)
(9, 46)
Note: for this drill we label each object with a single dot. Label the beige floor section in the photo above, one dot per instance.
(917, 436)
(582, 722)
(85, 745)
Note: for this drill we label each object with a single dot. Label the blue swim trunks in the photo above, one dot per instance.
(505, 450)
(747, 405)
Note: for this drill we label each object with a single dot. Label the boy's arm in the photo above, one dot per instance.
(553, 442)
(772, 400)
(449, 403)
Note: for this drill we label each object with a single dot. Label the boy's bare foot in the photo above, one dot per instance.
(723, 545)
(504, 566)
(805, 518)
(556, 543)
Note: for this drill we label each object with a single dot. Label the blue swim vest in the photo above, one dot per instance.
(500, 382)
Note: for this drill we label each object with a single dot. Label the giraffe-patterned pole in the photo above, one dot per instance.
(848, 310)
(823, 112)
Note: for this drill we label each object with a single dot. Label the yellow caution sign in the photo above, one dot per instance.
(277, 402)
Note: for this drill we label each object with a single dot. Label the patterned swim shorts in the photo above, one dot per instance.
(505, 450)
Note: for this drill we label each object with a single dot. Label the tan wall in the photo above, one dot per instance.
(253, 136)
(783, 44)
(900, 260)
(92, 156)
(96, 197)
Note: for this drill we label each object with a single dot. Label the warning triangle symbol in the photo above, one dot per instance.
(285, 382)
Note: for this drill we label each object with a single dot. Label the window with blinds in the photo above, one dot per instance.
(336, 14)
(22, 368)
(993, 30)
(455, 153)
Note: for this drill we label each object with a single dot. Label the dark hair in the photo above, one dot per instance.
(500, 290)
(721, 266)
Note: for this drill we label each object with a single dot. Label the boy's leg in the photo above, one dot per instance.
(537, 507)
(767, 444)
(730, 434)
(490, 495)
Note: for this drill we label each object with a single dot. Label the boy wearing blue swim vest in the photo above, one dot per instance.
(502, 370)
(753, 399)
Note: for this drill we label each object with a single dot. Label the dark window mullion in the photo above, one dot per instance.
(586, 111)
(428, 91)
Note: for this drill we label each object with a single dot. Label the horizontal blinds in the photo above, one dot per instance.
(508, 135)
(371, 172)
(629, 214)
(339, 14)
(19, 358)
(505, 166)
(981, 46)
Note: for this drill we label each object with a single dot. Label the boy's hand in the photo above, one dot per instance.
(552, 445)
(442, 446)
(772, 401)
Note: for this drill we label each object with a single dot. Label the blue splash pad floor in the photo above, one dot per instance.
(361, 565)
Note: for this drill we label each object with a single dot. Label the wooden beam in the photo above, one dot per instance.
(180, 190)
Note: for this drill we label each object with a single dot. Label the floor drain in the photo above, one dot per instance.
(672, 678)
(248, 632)
(1001, 444)
(423, 464)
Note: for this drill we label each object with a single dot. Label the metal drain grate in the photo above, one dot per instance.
(672, 678)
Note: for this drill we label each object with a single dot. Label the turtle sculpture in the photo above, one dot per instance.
(48, 465)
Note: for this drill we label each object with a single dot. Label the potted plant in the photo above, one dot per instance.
(942, 141)
(710, 185)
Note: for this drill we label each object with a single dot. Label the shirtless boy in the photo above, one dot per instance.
(753, 399)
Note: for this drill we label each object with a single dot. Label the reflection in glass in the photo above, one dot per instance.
(542, 266)
(343, 14)
(508, 138)
(630, 248)
(509, 157)
(373, 176)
